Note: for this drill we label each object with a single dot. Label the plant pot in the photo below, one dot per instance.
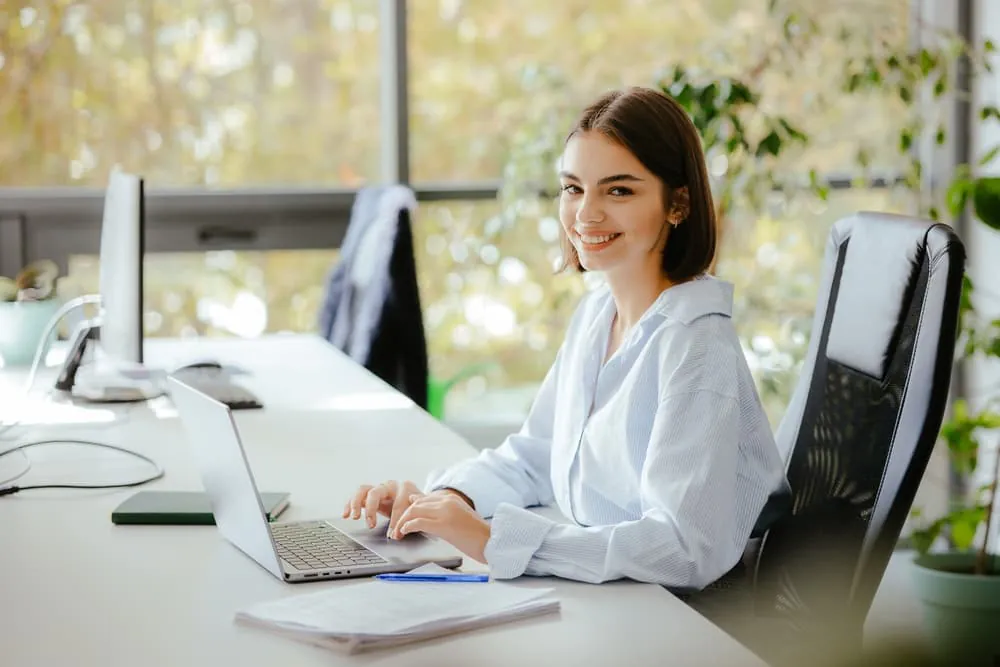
(961, 610)
(22, 324)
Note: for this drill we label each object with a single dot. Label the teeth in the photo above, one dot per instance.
(597, 239)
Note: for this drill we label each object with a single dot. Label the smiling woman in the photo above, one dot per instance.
(660, 453)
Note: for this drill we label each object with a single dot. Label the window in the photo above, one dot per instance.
(264, 94)
(489, 294)
(493, 89)
(484, 75)
(490, 297)
(221, 293)
(216, 93)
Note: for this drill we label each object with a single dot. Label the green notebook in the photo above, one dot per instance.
(182, 508)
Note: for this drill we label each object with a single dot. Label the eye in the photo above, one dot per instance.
(619, 191)
(570, 188)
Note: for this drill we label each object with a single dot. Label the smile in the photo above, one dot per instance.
(597, 242)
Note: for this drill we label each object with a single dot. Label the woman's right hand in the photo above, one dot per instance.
(388, 499)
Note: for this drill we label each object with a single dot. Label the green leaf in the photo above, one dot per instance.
(939, 136)
(988, 112)
(957, 196)
(940, 87)
(986, 200)
(905, 140)
(820, 188)
(989, 46)
(992, 153)
(924, 538)
(741, 94)
(771, 144)
(928, 61)
(963, 525)
(905, 94)
(792, 132)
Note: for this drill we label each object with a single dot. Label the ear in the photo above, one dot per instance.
(680, 205)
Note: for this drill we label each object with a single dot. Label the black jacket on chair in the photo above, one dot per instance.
(371, 309)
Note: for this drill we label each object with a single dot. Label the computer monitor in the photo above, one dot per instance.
(117, 372)
(122, 249)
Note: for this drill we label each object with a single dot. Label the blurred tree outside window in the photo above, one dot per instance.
(245, 93)
(494, 88)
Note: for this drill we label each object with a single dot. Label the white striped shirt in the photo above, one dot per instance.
(663, 456)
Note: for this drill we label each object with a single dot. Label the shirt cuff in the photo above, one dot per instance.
(480, 486)
(515, 535)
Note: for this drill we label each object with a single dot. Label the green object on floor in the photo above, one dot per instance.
(437, 389)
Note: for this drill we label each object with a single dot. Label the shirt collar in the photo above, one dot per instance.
(704, 295)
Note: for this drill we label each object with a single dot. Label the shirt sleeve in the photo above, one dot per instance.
(518, 471)
(693, 528)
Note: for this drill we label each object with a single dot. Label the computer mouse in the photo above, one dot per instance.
(206, 364)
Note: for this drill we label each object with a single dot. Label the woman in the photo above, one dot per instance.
(647, 430)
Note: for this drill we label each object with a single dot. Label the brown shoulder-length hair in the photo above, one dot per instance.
(659, 133)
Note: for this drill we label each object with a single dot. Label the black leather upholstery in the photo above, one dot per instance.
(861, 425)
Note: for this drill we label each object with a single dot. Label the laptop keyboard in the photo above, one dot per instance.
(316, 544)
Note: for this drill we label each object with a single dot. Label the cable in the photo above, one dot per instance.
(27, 468)
(9, 490)
(43, 345)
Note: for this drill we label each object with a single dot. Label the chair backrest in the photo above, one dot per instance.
(865, 415)
(371, 306)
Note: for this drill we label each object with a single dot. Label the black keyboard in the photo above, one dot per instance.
(219, 385)
(314, 544)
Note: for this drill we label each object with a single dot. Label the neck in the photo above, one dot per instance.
(634, 294)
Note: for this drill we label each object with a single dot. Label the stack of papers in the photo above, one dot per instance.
(380, 614)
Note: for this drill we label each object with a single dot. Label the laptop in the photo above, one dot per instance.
(293, 551)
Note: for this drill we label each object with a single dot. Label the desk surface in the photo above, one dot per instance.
(79, 590)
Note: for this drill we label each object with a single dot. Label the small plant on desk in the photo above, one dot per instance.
(27, 304)
(35, 282)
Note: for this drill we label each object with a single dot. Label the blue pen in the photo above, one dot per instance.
(438, 578)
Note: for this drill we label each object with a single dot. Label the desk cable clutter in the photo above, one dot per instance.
(40, 354)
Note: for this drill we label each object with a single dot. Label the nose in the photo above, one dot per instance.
(589, 211)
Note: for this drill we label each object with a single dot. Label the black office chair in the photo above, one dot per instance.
(859, 431)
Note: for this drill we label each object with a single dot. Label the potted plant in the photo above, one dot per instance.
(957, 568)
(27, 304)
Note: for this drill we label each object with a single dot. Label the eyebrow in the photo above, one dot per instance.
(605, 180)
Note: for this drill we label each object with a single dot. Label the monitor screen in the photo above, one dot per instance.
(122, 246)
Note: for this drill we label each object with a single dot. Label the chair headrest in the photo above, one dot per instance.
(881, 266)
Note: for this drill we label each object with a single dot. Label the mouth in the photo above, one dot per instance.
(595, 242)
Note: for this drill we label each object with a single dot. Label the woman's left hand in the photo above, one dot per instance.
(448, 517)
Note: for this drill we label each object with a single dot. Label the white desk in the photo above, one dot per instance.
(78, 590)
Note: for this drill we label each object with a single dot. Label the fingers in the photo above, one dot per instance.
(401, 504)
(420, 507)
(418, 525)
(353, 509)
(373, 501)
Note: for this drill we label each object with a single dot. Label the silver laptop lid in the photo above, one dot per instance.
(225, 473)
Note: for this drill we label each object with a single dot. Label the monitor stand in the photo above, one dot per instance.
(104, 380)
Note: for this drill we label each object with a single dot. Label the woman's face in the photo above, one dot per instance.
(611, 207)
